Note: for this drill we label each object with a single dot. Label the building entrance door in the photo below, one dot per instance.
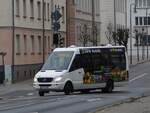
(2, 76)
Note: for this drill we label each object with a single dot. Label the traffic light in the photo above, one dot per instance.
(55, 39)
(56, 26)
(61, 42)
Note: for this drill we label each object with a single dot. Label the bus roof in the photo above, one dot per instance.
(73, 48)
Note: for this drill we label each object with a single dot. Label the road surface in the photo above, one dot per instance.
(28, 101)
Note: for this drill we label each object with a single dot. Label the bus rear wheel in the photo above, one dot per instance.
(68, 89)
(109, 87)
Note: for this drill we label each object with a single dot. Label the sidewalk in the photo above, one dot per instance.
(141, 105)
(135, 61)
(25, 85)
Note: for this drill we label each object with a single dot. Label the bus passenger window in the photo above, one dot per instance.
(75, 64)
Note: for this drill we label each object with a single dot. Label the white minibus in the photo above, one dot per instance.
(83, 69)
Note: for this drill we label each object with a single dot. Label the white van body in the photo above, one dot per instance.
(51, 78)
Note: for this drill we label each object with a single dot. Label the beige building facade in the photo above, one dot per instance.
(80, 22)
(22, 39)
(113, 17)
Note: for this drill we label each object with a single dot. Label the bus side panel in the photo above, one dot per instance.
(102, 64)
(76, 77)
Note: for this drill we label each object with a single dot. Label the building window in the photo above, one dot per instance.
(44, 11)
(117, 5)
(140, 3)
(24, 9)
(39, 44)
(148, 3)
(39, 10)
(136, 2)
(148, 20)
(145, 20)
(32, 44)
(63, 15)
(25, 44)
(32, 9)
(17, 44)
(48, 12)
(17, 8)
(136, 20)
(144, 3)
(141, 19)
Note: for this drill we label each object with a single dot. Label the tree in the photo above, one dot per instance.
(109, 33)
(121, 37)
(84, 37)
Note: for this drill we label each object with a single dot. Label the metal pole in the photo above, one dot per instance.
(52, 26)
(93, 23)
(142, 44)
(43, 31)
(137, 42)
(138, 48)
(131, 33)
(147, 32)
(67, 22)
(13, 41)
(115, 18)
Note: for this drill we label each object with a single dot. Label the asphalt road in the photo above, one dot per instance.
(27, 101)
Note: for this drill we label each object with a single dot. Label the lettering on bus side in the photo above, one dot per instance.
(101, 64)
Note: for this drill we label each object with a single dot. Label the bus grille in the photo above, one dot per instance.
(45, 79)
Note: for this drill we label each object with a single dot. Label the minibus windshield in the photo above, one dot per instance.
(58, 60)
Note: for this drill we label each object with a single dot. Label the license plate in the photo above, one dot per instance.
(44, 87)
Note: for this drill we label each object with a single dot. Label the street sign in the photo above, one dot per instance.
(61, 41)
(56, 26)
(56, 15)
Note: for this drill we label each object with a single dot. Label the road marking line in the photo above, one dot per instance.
(30, 94)
(94, 99)
(138, 77)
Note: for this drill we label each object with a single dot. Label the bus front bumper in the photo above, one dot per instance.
(48, 86)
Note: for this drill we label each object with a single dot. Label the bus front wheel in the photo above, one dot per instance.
(68, 88)
(109, 87)
(41, 93)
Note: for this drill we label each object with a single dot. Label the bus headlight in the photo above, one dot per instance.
(57, 79)
(35, 79)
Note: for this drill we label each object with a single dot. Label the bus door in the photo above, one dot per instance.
(76, 72)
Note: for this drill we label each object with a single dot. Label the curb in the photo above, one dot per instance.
(133, 65)
(127, 100)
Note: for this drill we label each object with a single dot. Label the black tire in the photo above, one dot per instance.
(85, 91)
(41, 93)
(68, 89)
(109, 87)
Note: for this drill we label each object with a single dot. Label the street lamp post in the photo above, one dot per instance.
(137, 43)
(93, 23)
(143, 43)
(13, 39)
(115, 30)
(147, 33)
(43, 29)
(132, 4)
